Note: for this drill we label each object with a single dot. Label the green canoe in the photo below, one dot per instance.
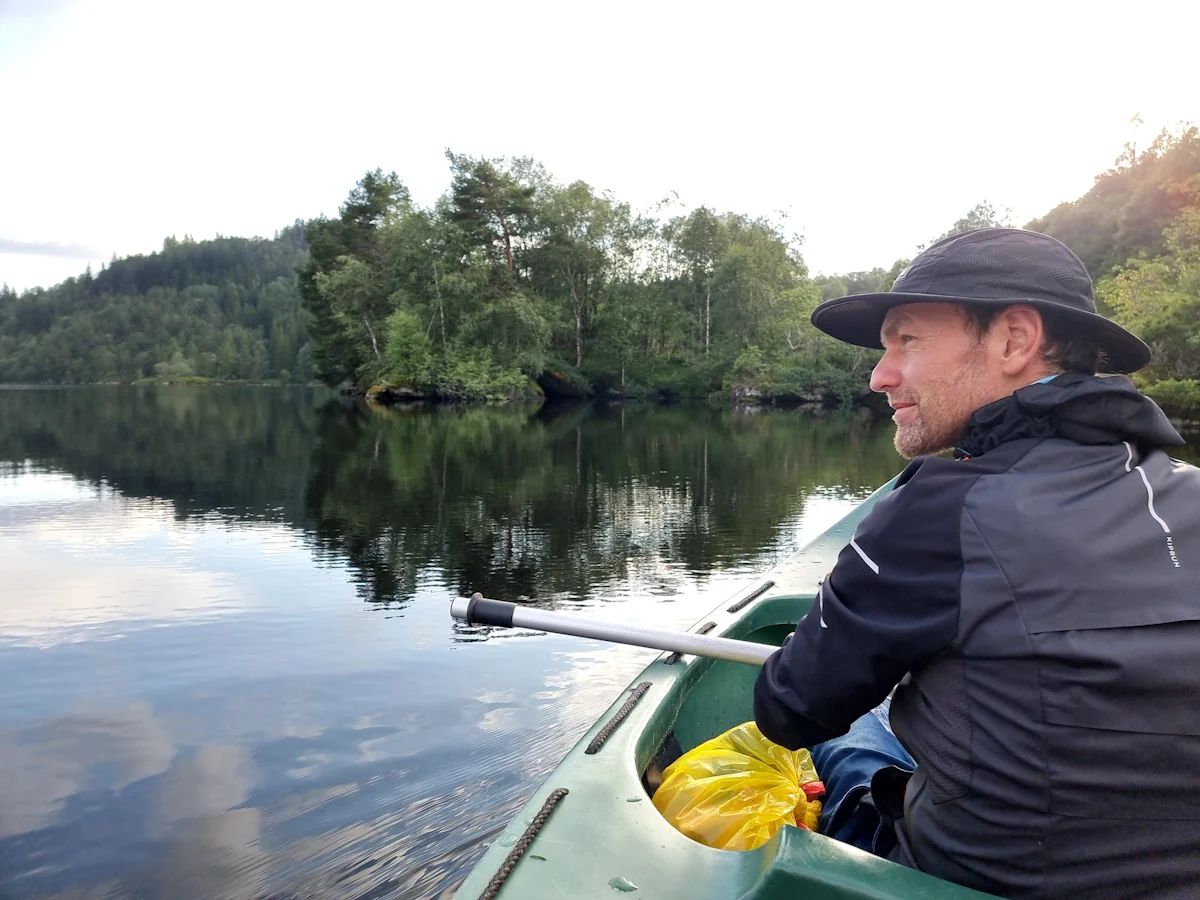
(591, 829)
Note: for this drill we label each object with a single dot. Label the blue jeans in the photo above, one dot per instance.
(846, 765)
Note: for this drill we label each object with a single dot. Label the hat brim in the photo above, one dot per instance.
(858, 318)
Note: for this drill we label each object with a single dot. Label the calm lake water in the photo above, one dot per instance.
(227, 661)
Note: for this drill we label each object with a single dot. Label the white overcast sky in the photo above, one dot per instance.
(872, 125)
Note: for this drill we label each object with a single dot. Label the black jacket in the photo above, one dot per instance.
(1037, 602)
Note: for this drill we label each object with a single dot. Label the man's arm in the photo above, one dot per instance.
(889, 606)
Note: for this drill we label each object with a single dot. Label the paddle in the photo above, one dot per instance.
(479, 610)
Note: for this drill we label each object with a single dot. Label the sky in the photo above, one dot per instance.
(870, 126)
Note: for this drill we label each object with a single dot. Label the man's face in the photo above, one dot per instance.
(935, 373)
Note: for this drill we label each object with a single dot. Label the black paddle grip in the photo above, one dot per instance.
(482, 611)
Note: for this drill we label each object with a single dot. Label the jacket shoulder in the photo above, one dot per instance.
(938, 474)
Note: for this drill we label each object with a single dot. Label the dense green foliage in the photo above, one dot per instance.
(512, 276)
(223, 309)
(1159, 298)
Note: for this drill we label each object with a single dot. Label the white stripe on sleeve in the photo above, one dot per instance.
(870, 562)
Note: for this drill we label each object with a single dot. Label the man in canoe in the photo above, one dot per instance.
(1031, 605)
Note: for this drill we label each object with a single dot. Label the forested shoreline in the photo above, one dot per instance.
(225, 309)
(514, 286)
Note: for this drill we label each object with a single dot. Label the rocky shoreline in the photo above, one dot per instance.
(552, 388)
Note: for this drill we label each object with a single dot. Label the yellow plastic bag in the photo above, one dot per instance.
(735, 791)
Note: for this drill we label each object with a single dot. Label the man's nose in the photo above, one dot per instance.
(885, 376)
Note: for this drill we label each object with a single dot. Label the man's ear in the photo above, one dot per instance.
(1020, 333)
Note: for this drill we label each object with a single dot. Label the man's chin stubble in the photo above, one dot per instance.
(910, 445)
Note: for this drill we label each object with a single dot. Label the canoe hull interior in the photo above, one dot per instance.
(605, 837)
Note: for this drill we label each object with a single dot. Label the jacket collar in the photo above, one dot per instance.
(1087, 409)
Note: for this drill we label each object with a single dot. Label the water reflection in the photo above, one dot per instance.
(578, 504)
(200, 703)
(55, 757)
(115, 578)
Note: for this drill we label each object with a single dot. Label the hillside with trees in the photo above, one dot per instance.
(1138, 232)
(225, 309)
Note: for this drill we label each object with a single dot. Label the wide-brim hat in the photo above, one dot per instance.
(995, 267)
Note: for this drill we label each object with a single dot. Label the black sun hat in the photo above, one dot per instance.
(994, 267)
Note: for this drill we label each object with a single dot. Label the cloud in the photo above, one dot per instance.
(48, 248)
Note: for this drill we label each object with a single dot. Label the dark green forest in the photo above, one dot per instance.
(514, 285)
(224, 309)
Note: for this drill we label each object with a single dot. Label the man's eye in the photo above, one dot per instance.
(905, 338)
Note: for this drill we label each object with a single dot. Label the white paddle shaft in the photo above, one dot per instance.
(479, 610)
